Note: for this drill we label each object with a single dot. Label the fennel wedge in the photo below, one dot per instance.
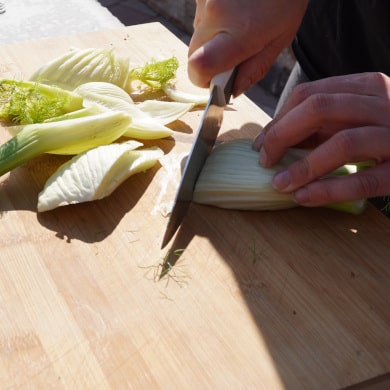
(232, 178)
(78, 66)
(95, 174)
(71, 136)
(110, 97)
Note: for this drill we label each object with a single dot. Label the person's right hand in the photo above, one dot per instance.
(249, 34)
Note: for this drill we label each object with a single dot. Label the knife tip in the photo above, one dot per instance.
(167, 237)
(164, 243)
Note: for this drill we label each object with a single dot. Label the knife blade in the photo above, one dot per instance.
(221, 87)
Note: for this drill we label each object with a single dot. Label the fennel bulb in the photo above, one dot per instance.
(232, 178)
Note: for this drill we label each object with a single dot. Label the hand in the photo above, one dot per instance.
(346, 119)
(248, 33)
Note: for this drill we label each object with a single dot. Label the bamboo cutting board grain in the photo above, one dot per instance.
(295, 299)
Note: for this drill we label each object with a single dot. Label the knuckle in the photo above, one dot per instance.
(301, 92)
(320, 104)
(321, 193)
(273, 144)
(214, 8)
(344, 144)
(273, 139)
(367, 185)
(373, 81)
(272, 135)
(302, 169)
(376, 78)
(327, 194)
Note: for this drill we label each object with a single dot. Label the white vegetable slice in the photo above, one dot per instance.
(105, 89)
(185, 97)
(68, 136)
(95, 174)
(79, 66)
(165, 112)
(142, 126)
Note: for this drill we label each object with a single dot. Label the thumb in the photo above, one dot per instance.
(214, 56)
(223, 52)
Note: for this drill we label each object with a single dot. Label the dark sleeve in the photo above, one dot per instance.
(344, 36)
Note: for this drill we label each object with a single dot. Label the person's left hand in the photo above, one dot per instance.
(342, 119)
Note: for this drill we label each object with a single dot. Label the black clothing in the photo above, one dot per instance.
(339, 37)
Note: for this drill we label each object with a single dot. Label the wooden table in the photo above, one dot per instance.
(295, 299)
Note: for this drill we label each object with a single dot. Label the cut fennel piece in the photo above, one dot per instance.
(70, 136)
(95, 174)
(142, 126)
(78, 66)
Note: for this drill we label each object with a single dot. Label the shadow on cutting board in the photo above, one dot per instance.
(90, 221)
(183, 237)
(303, 276)
(94, 221)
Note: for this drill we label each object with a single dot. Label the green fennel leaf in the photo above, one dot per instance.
(27, 105)
(156, 74)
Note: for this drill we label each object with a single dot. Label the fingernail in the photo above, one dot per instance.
(258, 141)
(281, 181)
(301, 196)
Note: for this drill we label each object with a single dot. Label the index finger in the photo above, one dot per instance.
(369, 84)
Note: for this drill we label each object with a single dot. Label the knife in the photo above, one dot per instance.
(221, 87)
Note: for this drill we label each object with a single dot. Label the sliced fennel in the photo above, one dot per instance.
(83, 112)
(27, 102)
(154, 74)
(142, 126)
(70, 136)
(159, 75)
(232, 178)
(95, 174)
(164, 112)
(79, 66)
(185, 97)
(105, 89)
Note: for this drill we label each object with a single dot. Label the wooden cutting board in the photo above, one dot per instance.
(258, 300)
